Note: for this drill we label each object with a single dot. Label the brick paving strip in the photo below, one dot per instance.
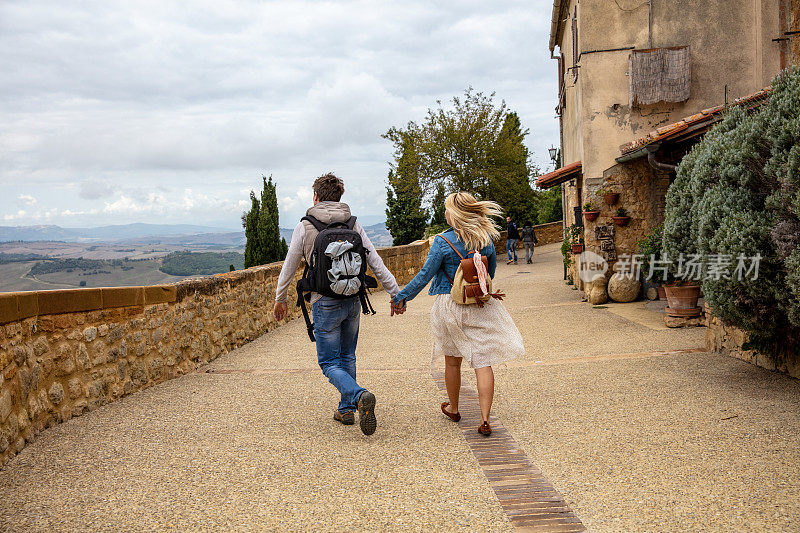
(527, 497)
(529, 500)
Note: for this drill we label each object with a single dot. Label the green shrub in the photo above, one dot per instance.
(738, 192)
(566, 253)
(649, 247)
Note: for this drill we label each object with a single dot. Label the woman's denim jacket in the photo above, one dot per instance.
(442, 262)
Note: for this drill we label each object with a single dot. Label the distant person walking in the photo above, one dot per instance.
(511, 241)
(336, 320)
(482, 334)
(530, 240)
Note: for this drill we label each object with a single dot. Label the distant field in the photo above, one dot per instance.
(13, 277)
(74, 250)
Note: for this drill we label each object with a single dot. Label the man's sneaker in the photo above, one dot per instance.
(348, 418)
(366, 413)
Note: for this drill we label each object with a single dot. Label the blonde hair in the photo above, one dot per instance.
(470, 219)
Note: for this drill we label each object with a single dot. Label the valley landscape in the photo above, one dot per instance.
(51, 257)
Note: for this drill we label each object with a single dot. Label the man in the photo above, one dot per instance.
(335, 320)
(511, 241)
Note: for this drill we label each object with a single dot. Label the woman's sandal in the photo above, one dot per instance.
(455, 417)
(485, 429)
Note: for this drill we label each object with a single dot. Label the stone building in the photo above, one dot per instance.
(634, 70)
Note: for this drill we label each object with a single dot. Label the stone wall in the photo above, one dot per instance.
(405, 261)
(642, 193)
(66, 352)
(546, 233)
(729, 340)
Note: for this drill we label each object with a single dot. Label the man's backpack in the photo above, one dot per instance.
(337, 267)
(472, 284)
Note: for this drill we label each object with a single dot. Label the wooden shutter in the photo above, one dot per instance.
(575, 53)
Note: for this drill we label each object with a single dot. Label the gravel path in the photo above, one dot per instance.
(658, 442)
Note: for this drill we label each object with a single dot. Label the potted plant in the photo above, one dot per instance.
(575, 234)
(622, 217)
(609, 197)
(682, 299)
(590, 213)
(650, 248)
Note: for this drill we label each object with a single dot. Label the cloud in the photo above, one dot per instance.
(113, 110)
(301, 200)
(27, 199)
(92, 190)
(21, 214)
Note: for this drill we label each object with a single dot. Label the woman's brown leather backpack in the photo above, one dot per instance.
(467, 288)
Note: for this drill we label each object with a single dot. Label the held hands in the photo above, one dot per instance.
(279, 311)
(397, 308)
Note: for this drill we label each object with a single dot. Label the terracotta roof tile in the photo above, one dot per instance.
(710, 115)
(559, 176)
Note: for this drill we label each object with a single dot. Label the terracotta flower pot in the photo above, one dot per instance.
(682, 301)
(621, 221)
(591, 216)
(611, 197)
(577, 249)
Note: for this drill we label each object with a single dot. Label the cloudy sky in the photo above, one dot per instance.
(114, 112)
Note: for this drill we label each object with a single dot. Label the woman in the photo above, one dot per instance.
(484, 336)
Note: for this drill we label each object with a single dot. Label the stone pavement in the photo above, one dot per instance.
(632, 424)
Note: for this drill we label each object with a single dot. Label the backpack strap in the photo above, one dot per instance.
(349, 223)
(302, 286)
(451, 245)
(456, 251)
(314, 222)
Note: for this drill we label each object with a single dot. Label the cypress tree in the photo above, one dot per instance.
(264, 242)
(249, 220)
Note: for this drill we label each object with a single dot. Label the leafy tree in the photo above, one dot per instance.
(738, 192)
(405, 218)
(264, 243)
(474, 146)
(509, 184)
(548, 206)
(437, 207)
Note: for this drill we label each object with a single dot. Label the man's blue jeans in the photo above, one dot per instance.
(511, 245)
(336, 329)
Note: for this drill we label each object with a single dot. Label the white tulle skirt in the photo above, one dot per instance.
(483, 336)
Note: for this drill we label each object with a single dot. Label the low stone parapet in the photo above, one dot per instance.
(549, 233)
(730, 340)
(66, 352)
